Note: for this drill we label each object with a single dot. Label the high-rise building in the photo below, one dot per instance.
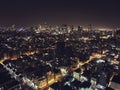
(60, 49)
(80, 28)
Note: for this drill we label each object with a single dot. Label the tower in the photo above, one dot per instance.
(80, 28)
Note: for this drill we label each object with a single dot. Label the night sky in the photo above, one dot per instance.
(102, 13)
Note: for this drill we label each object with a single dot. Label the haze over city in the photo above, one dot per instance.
(99, 13)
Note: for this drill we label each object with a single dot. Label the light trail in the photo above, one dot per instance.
(112, 76)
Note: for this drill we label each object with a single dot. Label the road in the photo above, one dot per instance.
(59, 76)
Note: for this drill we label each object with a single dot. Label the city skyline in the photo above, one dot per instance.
(59, 45)
(99, 13)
